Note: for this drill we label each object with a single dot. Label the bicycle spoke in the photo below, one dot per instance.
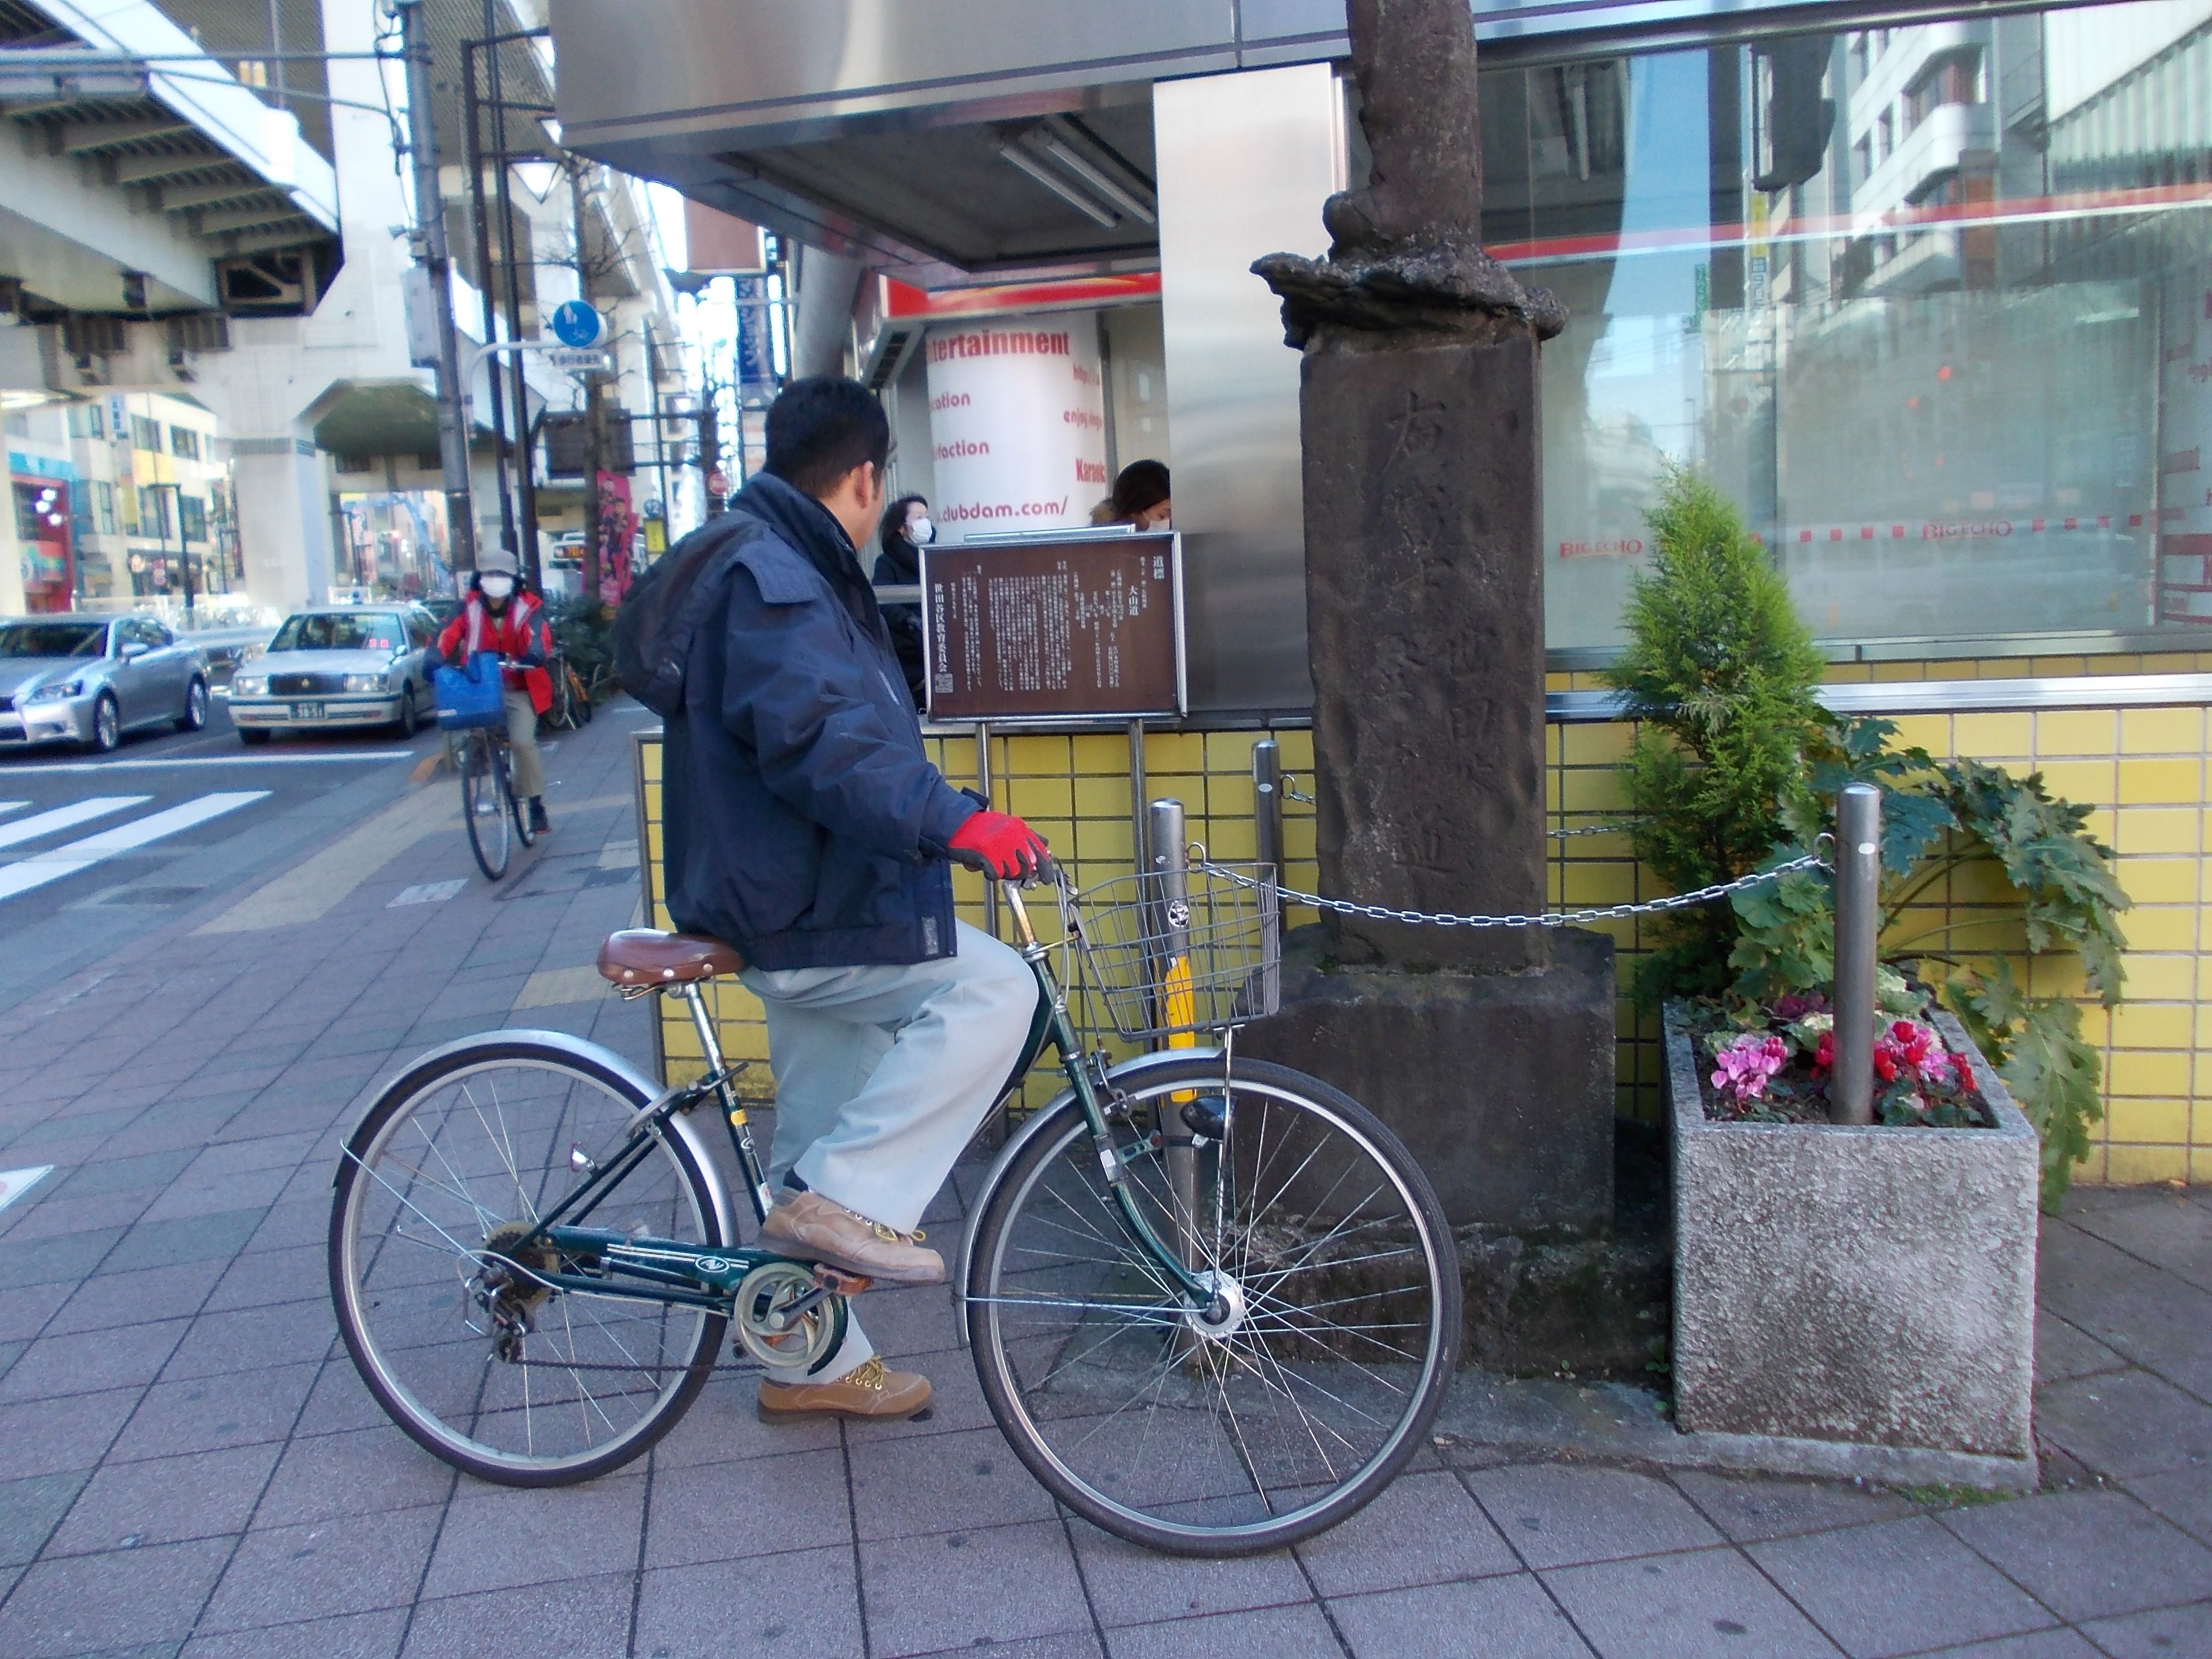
(1315, 1364)
(452, 1354)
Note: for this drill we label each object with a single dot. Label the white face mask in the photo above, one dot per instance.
(497, 587)
(921, 531)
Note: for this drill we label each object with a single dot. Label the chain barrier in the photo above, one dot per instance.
(1550, 919)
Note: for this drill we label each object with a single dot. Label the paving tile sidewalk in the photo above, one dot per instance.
(188, 1464)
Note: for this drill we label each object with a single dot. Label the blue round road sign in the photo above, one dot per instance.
(576, 323)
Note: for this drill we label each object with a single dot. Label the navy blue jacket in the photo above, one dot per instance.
(804, 822)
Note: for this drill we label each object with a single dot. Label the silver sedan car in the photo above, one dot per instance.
(346, 666)
(87, 680)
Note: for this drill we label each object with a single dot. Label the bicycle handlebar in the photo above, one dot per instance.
(1047, 872)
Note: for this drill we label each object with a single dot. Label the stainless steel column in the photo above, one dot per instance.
(983, 788)
(1858, 877)
(1267, 803)
(1171, 926)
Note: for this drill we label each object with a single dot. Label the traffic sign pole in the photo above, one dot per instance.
(431, 250)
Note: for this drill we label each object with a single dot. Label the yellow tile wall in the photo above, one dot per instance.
(2142, 769)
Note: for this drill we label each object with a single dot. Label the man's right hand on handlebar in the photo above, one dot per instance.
(1010, 849)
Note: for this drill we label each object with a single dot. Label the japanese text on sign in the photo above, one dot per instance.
(1054, 629)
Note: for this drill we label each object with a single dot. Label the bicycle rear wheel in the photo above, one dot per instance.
(484, 807)
(1297, 1397)
(495, 1371)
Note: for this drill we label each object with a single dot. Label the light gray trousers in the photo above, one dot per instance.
(884, 1073)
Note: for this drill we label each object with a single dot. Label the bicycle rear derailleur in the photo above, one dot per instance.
(506, 1286)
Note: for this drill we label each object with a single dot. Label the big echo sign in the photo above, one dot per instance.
(1018, 421)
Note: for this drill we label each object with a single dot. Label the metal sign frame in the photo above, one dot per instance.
(1119, 538)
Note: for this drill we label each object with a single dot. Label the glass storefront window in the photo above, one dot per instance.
(1934, 303)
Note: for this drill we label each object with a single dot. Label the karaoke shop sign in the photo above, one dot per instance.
(1017, 423)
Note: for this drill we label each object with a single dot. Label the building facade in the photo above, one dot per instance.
(1929, 290)
(215, 221)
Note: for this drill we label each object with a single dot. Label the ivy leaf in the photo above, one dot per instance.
(2054, 1077)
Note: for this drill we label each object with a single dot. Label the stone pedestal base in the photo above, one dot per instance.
(1501, 1084)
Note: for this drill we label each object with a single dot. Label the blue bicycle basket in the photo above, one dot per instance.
(470, 695)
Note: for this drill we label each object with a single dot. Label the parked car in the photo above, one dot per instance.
(72, 678)
(338, 667)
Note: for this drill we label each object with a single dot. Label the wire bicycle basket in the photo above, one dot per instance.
(1170, 953)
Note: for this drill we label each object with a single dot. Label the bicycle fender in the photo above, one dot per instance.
(1021, 1138)
(686, 1125)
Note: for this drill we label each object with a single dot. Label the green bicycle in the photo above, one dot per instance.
(1212, 1302)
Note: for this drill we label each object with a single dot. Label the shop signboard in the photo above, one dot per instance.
(1017, 423)
(1069, 627)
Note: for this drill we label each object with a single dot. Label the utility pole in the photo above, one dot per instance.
(595, 412)
(430, 251)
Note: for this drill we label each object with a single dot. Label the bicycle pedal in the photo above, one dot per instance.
(837, 1280)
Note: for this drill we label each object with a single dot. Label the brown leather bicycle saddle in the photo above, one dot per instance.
(646, 955)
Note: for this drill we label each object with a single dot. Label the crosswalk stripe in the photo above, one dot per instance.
(66, 817)
(39, 868)
(13, 805)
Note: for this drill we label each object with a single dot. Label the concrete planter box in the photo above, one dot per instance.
(1857, 1302)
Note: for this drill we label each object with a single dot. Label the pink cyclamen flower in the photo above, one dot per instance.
(1747, 1064)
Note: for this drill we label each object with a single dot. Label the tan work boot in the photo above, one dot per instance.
(867, 1391)
(810, 1228)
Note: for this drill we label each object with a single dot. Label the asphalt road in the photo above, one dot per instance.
(97, 849)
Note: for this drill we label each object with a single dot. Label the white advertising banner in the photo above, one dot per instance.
(1018, 420)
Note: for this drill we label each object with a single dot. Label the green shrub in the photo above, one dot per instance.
(1720, 673)
(1736, 767)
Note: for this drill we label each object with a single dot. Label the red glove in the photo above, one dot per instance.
(1008, 846)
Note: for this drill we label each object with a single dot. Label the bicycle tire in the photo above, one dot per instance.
(484, 809)
(1184, 1500)
(357, 1183)
(515, 809)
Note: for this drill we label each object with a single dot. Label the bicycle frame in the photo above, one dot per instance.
(667, 1270)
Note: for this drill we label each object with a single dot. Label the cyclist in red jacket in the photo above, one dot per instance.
(502, 615)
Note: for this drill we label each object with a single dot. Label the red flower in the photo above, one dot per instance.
(1913, 1041)
(1824, 1055)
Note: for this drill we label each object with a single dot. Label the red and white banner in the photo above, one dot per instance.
(1018, 423)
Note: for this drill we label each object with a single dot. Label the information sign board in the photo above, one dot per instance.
(1054, 628)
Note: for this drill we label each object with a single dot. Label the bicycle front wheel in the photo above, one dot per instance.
(515, 809)
(484, 805)
(1291, 1399)
(489, 1366)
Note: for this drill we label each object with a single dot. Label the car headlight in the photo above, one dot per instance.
(365, 683)
(57, 692)
(249, 685)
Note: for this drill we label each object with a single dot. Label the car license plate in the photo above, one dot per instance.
(306, 711)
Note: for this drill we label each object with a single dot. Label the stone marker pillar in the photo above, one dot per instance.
(1488, 1050)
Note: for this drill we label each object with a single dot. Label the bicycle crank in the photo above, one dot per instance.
(788, 1317)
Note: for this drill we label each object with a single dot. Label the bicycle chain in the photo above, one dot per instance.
(1549, 919)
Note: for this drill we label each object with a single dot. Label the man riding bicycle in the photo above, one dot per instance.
(807, 826)
(502, 614)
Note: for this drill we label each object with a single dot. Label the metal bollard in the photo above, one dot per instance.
(1858, 877)
(1267, 803)
(1170, 929)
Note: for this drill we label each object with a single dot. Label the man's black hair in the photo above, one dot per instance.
(821, 428)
